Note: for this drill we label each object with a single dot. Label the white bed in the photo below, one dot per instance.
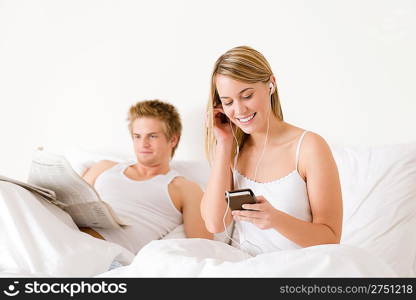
(379, 240)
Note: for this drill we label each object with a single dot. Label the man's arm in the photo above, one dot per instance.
(91, 174)
(188, 194)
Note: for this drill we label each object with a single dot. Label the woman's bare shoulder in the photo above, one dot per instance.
(315, 154)
(314, 151)
(314, 143)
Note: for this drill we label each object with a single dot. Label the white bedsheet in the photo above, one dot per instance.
(39, 239)
(205, 258)
(379, 193)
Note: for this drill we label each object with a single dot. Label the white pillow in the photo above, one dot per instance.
(80, 160)
(194, 170)
(379, 195)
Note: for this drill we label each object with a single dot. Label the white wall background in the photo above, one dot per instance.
(69, 70)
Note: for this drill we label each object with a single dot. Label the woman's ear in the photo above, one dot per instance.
(273, 81)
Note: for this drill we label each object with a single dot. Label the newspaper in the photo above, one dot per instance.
(52, 174)
(46, 194)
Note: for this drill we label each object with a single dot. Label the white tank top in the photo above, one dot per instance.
(288, 194)
(146, 204)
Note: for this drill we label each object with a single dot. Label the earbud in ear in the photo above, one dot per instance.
(271, 87)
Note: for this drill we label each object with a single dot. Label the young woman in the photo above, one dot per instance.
(290, 170)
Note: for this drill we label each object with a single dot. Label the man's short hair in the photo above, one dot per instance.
(160, 110)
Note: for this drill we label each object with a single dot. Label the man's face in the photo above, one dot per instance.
(151, 145)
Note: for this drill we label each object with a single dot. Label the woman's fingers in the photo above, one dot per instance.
(218, 108)
(260, 199)
(252, 206)
(219, 116)
(246, 214)
(258, 206)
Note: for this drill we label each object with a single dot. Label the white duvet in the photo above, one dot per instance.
(379, 193)
(39, 239)
(206, 258)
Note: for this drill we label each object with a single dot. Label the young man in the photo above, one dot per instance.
(153, 197)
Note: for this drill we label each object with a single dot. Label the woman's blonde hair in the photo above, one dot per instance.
(244, 64)
(163, 111)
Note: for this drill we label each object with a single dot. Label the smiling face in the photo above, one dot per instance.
(150, 143)
(247, 105)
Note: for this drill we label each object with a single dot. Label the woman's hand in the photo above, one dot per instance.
(262, 214)
(222, 127)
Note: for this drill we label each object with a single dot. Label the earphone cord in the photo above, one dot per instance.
(228, 196)
(255, 177)
(264, 146)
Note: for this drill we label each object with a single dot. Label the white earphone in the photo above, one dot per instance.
(271, 86)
